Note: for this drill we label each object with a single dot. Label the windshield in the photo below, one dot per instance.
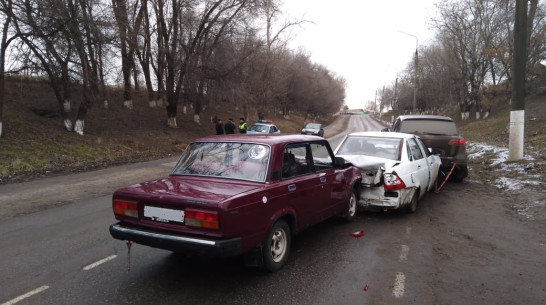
(387, 148)
(435, 127)
(245, 161)
(260, 128)
(312, 126)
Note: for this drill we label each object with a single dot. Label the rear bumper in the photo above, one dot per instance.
(190, 245)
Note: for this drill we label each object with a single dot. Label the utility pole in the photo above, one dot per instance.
(517, 105)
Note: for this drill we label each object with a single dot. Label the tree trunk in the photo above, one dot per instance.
(120, 13)
(3, 47)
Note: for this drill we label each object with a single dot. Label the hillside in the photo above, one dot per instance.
(35, 144)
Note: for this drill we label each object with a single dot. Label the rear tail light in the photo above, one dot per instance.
(201, 219)
(457, 142)
(125, 208)
(393, 182)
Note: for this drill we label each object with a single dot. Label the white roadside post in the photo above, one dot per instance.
(517, 106)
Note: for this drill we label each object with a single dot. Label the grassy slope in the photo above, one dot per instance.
(34, 142)
(496, 129)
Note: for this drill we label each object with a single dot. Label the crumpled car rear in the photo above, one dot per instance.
(373, 194)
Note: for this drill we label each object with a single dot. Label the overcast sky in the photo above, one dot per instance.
(360, 39)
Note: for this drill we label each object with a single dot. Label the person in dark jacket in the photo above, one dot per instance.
(242, 125)
(229, 127)
(219, 127)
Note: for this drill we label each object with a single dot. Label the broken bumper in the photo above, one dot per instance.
(378, 198)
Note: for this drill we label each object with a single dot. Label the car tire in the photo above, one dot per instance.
(350, 210)
(412, 207)
(321, 134)
(439, 180)
(277, 246)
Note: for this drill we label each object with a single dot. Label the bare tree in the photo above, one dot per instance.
(5, 14)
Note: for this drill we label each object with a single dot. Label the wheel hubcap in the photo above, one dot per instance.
(352, 205)
(278, 245)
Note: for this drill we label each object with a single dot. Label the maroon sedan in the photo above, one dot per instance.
(239, 194)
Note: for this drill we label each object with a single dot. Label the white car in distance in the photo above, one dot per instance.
(397, 168)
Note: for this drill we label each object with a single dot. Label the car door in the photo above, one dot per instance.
(433, 167)
(420, 175)
(332, 184)
(302, 186)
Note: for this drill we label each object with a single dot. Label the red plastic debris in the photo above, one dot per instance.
(366, 287)
(357, 234)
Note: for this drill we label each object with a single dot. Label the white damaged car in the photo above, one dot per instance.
(397, 168)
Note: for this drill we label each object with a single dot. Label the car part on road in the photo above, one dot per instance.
(357, 234)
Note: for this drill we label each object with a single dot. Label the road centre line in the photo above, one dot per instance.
(399, 285)
(102, 261)
(404, 254)
(26, 295)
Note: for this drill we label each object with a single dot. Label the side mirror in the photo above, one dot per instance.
(386, 129)
(339, 162)
(435, 151)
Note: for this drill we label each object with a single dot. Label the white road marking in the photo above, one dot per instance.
(404, 254)
(102, 261)
(399, 283)
(26, 295)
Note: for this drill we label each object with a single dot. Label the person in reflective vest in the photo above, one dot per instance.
(242, 125)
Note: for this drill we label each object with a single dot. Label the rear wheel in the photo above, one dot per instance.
(277, 246)
(412, 207)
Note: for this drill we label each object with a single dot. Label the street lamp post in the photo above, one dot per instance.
(416, 68)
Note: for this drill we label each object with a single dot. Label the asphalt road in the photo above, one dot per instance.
(462, 246)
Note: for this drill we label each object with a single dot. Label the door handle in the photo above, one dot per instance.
(418, 166)
(323, 179)
(292, 187)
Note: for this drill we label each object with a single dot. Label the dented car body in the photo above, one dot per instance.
(397, 169)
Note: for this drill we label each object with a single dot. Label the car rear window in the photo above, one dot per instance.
(435, 127)
(312, 126)
(245, 161)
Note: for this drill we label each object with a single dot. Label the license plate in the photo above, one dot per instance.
(163, 215)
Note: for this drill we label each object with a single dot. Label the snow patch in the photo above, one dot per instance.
(477, 150)
(511, 184)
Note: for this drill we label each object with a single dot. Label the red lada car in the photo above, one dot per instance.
(231, 195)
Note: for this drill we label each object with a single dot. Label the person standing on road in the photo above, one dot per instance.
(219, 127)
(229, 127)
(242, 125)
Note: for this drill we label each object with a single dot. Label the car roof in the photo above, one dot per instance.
(424, 117)
(381, 134)
(269, 139)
